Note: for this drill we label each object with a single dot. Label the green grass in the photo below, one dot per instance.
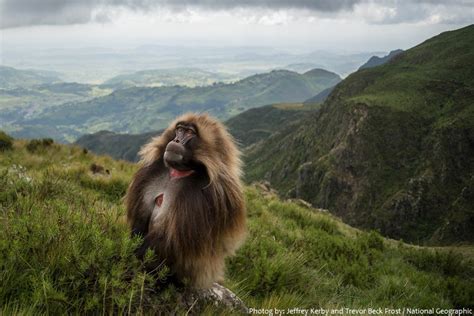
(64, 248)
(312, 259)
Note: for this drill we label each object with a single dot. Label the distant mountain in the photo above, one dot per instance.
(391, 148)
(343, 64)
(320, 97)
(377, 61)
(301, 67)
(18, 105)
(11, 78)
(190, 77)
(248, 128)
(139, 109)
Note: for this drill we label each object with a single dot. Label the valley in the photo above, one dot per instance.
(38, 111)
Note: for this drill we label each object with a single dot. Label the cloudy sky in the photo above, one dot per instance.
(342, 25)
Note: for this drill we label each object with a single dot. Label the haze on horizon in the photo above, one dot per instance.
(31, 29)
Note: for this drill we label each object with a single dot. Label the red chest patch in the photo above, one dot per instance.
(159, 200)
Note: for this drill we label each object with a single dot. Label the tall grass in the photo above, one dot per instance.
(65, 249)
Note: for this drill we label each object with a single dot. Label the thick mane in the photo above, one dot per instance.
(202, 219)
(200, 216)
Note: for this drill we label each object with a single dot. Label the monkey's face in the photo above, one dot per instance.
(178, 154)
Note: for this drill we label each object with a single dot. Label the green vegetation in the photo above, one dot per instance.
(64, 248)
(6, 142)
(35, 145)
(20, 104)
(189, 77)
(391, 148)
(255, 125)
(142, 109)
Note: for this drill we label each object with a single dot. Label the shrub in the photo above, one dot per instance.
(36, 144)
(6, 142)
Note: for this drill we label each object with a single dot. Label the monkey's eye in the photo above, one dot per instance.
(180, 130)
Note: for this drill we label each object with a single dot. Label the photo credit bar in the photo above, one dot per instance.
(360, 311)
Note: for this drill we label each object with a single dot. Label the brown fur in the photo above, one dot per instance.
(202, 219)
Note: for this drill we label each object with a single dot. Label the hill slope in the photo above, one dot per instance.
(63, 249)
(248, 128)
(392, 146)
(256, 125)
(11, 78)
(138, 110)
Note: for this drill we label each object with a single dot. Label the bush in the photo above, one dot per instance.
(35, 144)
(6, 142)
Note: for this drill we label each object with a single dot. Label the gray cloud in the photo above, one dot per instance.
(17, 13)
(430, 11)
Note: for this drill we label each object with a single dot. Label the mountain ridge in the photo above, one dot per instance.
(247, 128)
(141, 109)
(390, 147)
(11, 78)
(375, 61)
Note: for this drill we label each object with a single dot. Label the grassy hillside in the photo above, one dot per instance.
(392, 146)
(138, 110)
(64, 248)
(256, 125)
(190, 77)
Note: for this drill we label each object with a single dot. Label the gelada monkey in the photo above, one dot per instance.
(186, 199)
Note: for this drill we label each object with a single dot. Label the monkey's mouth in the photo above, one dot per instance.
(178, 160)
(176, 174)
